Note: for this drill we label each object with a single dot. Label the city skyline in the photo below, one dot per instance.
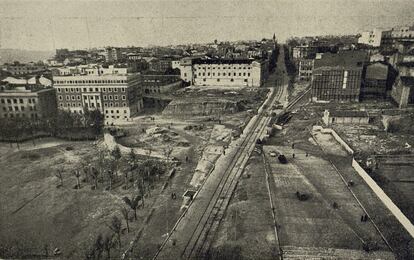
(48, 25)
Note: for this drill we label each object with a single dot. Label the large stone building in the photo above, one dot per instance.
(337, 77)
(224, 72)
(117, 96)
(26, 101)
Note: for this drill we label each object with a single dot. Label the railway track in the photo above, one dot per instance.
(198, 244)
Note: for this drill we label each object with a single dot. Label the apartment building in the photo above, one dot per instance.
(338, 77)
(112, 54)
(116, 96)
(371, 38)
(27, 101)
(305, 69)
(17, 68)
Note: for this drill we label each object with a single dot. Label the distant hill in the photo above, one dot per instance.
(10, 55)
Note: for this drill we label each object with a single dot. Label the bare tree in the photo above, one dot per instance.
(116, 227)
(133, 204)
(99, 246)
(95, 174)
(108, 244)
(77, 175)
(125, 214)
(59, 175)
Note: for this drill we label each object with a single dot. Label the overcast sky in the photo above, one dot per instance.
(51, 24)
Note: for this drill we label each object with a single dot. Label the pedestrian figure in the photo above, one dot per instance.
(224, 152)
(307, 154)
(293, 146)
(186, 159)
(172, 195)
(293, 155)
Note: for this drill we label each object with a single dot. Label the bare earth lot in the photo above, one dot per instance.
(315, 223)
(247, 230)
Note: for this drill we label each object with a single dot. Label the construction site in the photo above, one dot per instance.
(221, 173)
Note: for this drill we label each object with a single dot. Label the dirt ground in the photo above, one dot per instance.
(33, 207)
(247, 229)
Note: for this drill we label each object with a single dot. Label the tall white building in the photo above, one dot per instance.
(372, 38)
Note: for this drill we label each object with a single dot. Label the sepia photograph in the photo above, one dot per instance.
(207, 129)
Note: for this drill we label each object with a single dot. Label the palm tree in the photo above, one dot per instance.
(77, 174)
(133, 204)
(116, 226)
(125, 212)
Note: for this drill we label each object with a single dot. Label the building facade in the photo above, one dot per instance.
(338, 77)
(32, 102)
(160, 84)
(116, 96)
(403, 92)
(112, 54)
(375, 81)
(305, 69)
(224, 72)
(345, 117)
(24, 68)
(371, 38)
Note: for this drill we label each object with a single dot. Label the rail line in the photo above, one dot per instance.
(198, 245)
(224, 191)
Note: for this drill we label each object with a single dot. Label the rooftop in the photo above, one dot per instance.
(407, 81)
(223, 61)
(348, 113)
(342, 59)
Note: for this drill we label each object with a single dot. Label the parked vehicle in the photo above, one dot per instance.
(282, 159)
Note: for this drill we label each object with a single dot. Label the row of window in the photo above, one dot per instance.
(77, 97)
(117, 117)
(75, 90)
(16, 101)
(231, 80)
(116, 111)
(224, 74)
(90, 81)
(19, 115)
(116, 104)
(17, 108)
(219, 68)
